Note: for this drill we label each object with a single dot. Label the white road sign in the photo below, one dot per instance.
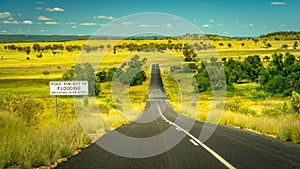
(69, 88)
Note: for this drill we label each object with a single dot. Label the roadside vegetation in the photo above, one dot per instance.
(261, 83)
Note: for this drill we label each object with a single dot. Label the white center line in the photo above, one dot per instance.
(217, 156)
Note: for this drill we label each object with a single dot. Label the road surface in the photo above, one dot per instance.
(164, 139)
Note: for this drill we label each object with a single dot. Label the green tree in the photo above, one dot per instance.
(284, 46)
(252, 66)
(84, 72)
(229, 45)
(295, 102)
(131, 72)
(295, 45)
(36, 47)
(277, 61)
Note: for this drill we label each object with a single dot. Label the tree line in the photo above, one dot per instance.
(130, 73)
(281, 75)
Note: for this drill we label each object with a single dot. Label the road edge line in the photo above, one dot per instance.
(216, 155)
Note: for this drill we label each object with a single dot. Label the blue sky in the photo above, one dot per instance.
(78, 17)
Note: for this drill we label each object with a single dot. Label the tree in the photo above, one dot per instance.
(284, 46)
(70, 48)
(295, 45)
(268, 45)
(221, 44)
(108, 46)
(243, 44)
(295, 102)
(84, 72)
(277, 61)
(102, 76)
(131, 72)
(229, 45)
(289, 60)
(40, 55)
(276, 85)
(101, 47)
(36, 47)
(27, 50)
(252, 66)
(46, 73)
(255, 41)
(266, 58)
(87, 48)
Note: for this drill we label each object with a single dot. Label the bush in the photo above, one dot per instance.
(25, 107)
(257, 95)
(235, 105)
(247, 111)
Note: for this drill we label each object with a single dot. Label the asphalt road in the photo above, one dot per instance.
(161, 138)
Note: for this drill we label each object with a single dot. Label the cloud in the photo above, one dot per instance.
(169, 25)
(51, 23)
(219, 24)
(211, 20)
(127, 23)
(40, 2)
(4, 31)
(206, 26)
(71, 23)
(278, 3)
(43, 18)
(42, 30)
(55, 9)
(5, 15)
(27, 22)
(88, 24)
(104, 17)
(248, 25)
(10, 22)
(148, 26)
(38, 8)
(282, 25)
(73, 26)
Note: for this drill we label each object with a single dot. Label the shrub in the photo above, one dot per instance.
(257, 95)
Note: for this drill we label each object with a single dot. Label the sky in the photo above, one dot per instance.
(242, 18)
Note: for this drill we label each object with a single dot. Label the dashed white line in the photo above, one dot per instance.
(193, 142)
(197, 141)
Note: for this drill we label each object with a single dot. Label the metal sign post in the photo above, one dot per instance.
(56, 105)
(67, 88)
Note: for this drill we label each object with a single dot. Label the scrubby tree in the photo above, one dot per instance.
(36, 47)
(131, 72)
(46, 73)
(85, 72)
(255, 41)
(266, 58)
(229, 45)
(295, 102)
(295, 45)
(284, 46)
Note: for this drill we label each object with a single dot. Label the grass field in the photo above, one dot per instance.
(27, 111)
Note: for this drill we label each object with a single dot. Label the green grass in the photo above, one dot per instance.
(26, 146)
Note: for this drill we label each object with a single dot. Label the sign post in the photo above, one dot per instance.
(68, 88)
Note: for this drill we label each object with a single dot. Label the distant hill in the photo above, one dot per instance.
(39, 38)
(284, 35)
(203, 37)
